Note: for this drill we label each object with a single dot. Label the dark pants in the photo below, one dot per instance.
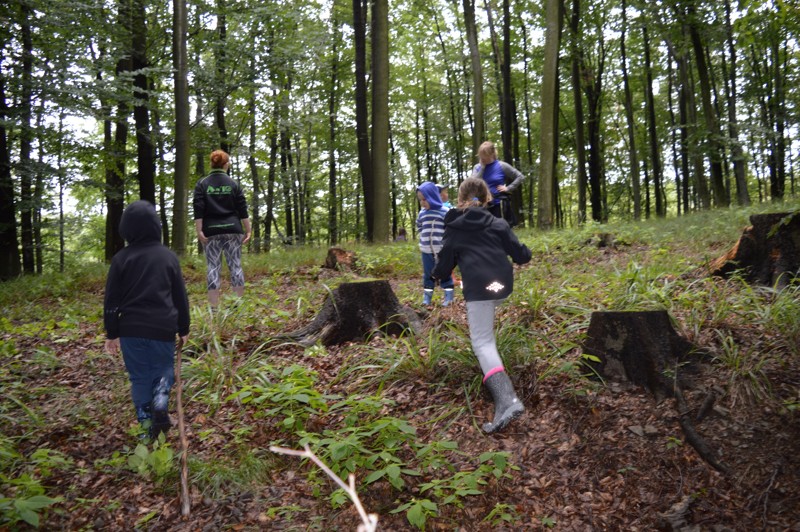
(147, 361)
(503, 209)
(428, 263)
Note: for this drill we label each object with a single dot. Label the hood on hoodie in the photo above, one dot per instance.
(431, 194)
(140, 223)
(470, 219)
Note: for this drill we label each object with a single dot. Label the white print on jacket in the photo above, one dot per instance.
(495, 287)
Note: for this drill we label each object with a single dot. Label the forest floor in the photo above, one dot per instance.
(587, 457)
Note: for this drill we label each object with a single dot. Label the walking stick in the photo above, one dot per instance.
(185, 502)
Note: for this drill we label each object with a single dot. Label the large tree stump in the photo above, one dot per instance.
(644, 348)
(638, 347)
(353, 311)
(767, 253)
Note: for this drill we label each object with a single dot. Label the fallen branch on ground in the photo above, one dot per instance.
(369, 521)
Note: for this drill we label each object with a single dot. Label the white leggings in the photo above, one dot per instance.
(480, 316)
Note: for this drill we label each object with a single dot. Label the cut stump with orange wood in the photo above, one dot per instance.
(767, 253)
(340, 259)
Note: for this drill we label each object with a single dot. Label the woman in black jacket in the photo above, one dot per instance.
(479, 244)
(222, 224)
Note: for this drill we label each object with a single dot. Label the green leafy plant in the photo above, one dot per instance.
(501, 514)
(288, 394)
(156, 464)
(372, 448)
(418, 511)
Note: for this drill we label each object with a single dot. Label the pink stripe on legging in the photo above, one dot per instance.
(492, 371)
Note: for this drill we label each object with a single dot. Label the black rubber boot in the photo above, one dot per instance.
(145, 418)
(507, 407)
(160, 408)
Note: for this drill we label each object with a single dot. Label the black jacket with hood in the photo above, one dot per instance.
(479, 244)
(219, 201)
(145, 293)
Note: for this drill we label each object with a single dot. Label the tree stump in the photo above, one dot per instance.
(767, 253)
(644, 348)
(353, 311)
(339, 259)
(639, 347)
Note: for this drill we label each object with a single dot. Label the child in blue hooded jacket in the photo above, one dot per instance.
(430, 226)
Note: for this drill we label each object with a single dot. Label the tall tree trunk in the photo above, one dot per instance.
(180, 204)
(162, 170)
(362, 115)
(38, 190)
(273, 157)
(655, 150)
(333, 106)
(9, 245)
(778, 111)
(592, 86)
(287, 187)
(577, 94)
(549, 119)
(737, 154)
(531, 186)
(712, 141)
(456, 128)
(633, 156)
(145, 152)
(694, 170)
(674, 127)
(380, 120)
(477, 74)
(26, 204)
(509, 111)
(116, 146)
(251, 161)
(62, 184)
(221, 60)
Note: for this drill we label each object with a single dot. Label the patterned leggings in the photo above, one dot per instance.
(231, 245)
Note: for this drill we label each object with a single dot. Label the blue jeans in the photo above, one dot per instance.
(428, 263)
(147, 361)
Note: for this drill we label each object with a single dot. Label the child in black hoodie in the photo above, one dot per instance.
(145, 307)
(480, 244)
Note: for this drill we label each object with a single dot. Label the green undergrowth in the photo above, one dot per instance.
(255, 388)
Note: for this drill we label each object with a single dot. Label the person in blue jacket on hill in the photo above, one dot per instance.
(145, 307)
(430, 226)
(480, 244)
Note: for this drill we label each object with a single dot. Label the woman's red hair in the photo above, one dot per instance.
(219, 159)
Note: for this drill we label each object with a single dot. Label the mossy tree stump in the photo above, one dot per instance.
(354, 311)
(767, 253)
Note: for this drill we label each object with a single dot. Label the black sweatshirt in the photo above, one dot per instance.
(478, 243)
(145, 293)
(219, 201)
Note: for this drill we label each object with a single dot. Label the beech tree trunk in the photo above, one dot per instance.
(354, 311)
